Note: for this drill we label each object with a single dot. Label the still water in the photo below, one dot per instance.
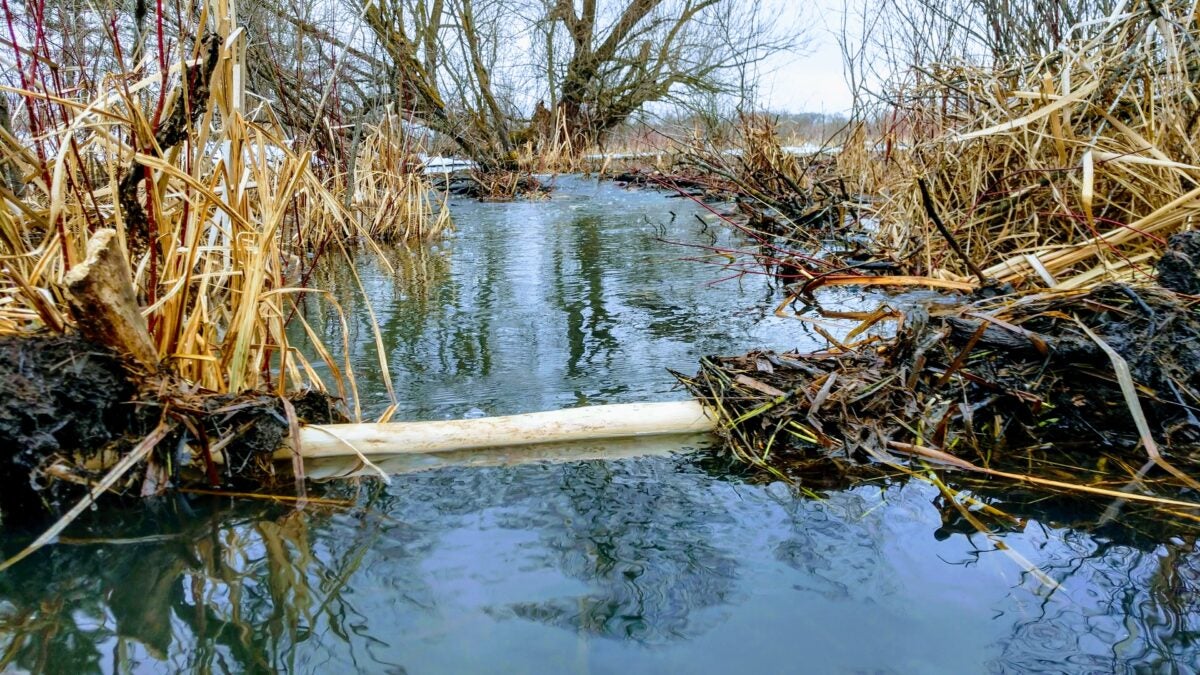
(669, 561)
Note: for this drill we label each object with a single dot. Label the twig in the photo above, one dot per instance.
(139, 453)
(958, 463)
(937, 221)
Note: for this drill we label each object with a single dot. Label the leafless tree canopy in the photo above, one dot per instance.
(494, 76)
(897, 38)
(473, 69)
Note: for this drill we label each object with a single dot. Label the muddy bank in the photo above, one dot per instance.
(60, 397)
(70, 408)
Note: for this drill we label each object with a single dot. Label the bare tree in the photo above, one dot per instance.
(473, 68)
(490, 75)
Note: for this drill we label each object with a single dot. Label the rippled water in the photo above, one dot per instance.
(670, 562)
(547, 304)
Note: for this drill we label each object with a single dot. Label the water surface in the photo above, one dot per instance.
(670, 562)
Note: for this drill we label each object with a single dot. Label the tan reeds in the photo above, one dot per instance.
(236, 219)
(393, 198)
(1064, 171)
(551, 148)
(763, 157)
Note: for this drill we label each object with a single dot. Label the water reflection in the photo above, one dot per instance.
(196, 585)
(1123, 609)
(578, 281)
(640, 545)
(640, 564)
(544, 305)
(673, 562)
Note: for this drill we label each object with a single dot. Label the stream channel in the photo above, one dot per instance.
(662, 558)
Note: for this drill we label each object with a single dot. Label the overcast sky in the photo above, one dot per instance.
(811, 82)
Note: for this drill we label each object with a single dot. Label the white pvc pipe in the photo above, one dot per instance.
(607, 449)
(556, 426)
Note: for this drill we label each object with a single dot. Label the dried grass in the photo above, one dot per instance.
(223, 220)
(236, 220)
(393, 198)
(1065, 171)
(1039, 183)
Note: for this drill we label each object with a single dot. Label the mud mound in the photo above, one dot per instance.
(68, 409)
(59, 394)
(1179, 267)
(252, 427)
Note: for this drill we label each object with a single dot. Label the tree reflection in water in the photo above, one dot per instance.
(658, 552)
(1121, 609)
(646, 545)
(198, 587)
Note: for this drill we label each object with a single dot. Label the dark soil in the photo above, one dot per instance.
(59, 395)
(259, 425)
(1179, 268)
(64, 400)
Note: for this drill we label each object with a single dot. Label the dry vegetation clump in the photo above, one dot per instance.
(501, 186)
(548, 147)
(789, 191)
(214, 237)
(1061, 191)
(803, 210)
(221, 228)
(1056, 389)
(392, 197)
(1060, 170)
(1055, 171)
(173, 228)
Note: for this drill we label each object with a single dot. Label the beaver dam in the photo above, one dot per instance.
(1019, 390)
(948, 355)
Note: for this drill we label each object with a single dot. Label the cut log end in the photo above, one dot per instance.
(103, 303)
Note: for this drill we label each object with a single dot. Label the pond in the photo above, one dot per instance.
(666, 558)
